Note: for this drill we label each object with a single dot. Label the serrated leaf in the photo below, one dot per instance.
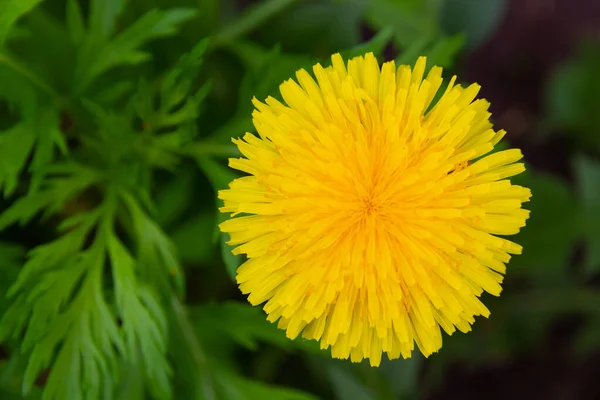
(143, 319)
(155, 250)
(49, 138)
(59, 299)
(16, 144)
(123, 49)
(10, 12)
(40, 135)
(175, 110)
(55, 191)
(85, 366)
(177, 81)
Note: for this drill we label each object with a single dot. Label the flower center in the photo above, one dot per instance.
(370, 206)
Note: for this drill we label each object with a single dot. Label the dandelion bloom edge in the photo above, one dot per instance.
(370, 212)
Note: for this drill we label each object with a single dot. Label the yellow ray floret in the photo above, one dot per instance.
(371, 214)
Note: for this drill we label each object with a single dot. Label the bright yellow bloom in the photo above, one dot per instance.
(371, 213)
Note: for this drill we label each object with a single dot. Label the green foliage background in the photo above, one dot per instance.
(115, 125)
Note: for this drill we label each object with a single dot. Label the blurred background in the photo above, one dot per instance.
(538, 62)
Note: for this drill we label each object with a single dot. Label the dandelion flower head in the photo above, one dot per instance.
(370, 214)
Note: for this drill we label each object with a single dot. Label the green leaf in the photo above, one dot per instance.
(49, 138)
(114, 93)
(412, 20)
(318, 27)
(236, 387)
(155, 250)
(18, 33)
(588, 179)
(10, 263)
(246, 325)
(376, 45)
(17, 90)
(345, 384)
(59, 299)
(131, 385)
(264, 77)
(477, 20)
(179, 97)
(62, 183)
(442, 51)
(10, 12)
(553, 204)
(123, 49)
(588, 183)
(103, 16)
(75, 23)
(232, 261)
(266, 70)
(144, 323)
(573, 92)
(402, 376)
(220, 177)
(16, 144)
(237, 126)
(253, 17)
(15, 394)
(175, 197)
(193, 238)
(194, 369)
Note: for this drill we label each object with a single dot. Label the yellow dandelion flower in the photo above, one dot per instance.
(369, 213)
